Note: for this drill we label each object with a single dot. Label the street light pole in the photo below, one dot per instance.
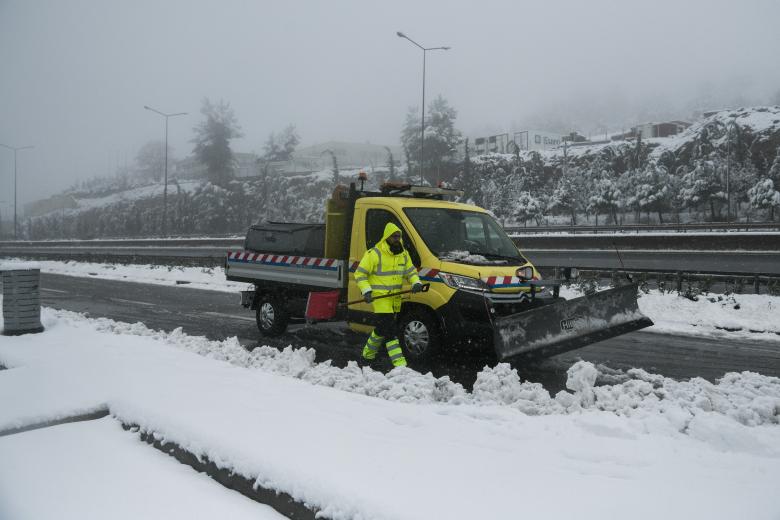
(15, 149)
(730, 129)
(165, 187)
(422, 118)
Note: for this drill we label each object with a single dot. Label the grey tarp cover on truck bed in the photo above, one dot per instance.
(286, 238)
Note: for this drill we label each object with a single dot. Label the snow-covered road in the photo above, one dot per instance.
(755, 317)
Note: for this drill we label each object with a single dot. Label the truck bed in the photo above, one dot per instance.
(267, 268)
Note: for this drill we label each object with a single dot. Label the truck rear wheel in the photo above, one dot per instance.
(272, 316)
(419, 335)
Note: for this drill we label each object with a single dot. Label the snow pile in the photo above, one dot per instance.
(18, 265)
(467, 257)
(747, 398)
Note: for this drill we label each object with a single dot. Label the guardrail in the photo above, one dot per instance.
(717, 253)
(211, 252)
(688, 284)
(645, 228)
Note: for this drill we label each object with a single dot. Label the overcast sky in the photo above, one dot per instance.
(75, 75)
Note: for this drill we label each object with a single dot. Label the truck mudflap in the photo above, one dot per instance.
(569, 324)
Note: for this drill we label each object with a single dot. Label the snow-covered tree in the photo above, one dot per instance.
(441, 138)
(570, 193)
(764, 196)
(605, 197)
(281, 146)
(703, 185)
(529, 207)
(150, 160)
(534, 178)
(774, 170)
(468, 178)
(651, 190)
(212, 140)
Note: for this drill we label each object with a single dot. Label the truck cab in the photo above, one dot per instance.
(474, 269)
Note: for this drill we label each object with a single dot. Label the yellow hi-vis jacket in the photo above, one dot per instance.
(382, 272)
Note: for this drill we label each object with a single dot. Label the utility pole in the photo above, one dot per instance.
(165, 187)
(15, 149)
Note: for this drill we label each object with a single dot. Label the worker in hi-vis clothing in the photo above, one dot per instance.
(382, 271)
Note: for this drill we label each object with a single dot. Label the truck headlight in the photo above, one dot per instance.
(457, 281)
(525, 273)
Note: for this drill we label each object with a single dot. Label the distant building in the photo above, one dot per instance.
(664, 129)
(522, 141)
(575, 137)
(650, 130)
(246, 165)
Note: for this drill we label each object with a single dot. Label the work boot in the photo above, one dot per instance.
(371, 347)
(396, 354)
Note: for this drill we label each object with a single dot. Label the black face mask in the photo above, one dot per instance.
(396, 248)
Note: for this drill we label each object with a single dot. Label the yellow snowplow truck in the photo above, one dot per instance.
(483, 292)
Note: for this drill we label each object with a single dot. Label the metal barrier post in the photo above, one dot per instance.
(21, 301)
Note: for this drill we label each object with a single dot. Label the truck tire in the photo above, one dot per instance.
(420, 335)
(272, 316)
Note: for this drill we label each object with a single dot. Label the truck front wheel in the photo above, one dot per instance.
(272, 316)
(420, 335)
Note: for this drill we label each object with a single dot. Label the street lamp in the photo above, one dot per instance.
(15, 149)
(729, 129)
(422, 126)
(165, 187)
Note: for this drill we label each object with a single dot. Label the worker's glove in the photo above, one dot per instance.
(367, 296)
(417, 287)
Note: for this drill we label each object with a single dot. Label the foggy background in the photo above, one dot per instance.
(74, 76)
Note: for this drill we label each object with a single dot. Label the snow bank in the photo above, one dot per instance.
(339, 439)
(211, 278)
(746, 398)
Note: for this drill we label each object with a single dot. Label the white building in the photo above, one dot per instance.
(538, 140)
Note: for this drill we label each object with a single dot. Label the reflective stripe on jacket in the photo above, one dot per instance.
(381, 272)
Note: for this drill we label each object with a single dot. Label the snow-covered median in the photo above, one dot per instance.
(356, 443)
(211, 278)
(740, 315)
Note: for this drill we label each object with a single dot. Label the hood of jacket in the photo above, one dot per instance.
(390, 228)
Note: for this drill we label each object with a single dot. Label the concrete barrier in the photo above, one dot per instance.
(21, 301)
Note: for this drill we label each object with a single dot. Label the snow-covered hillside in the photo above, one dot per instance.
(761, 122)
(729, 156)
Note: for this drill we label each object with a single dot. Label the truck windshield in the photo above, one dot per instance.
(461, 236)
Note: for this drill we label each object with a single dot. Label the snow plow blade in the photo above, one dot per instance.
(569, 324)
